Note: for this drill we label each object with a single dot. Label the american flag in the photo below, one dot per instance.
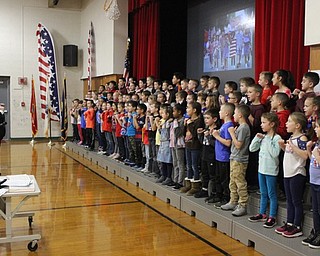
(126, 71)
(47, 71)
(90, 37)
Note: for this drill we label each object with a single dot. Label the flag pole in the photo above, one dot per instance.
(32, 136)
(65, 111)
(33, 111)
(49, 116)
(49, 112)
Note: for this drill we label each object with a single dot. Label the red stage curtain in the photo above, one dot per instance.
(279, 37)
(145, 37)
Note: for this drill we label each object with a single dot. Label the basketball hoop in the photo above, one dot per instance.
(112, 9)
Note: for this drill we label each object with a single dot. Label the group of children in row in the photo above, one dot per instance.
(253, 137)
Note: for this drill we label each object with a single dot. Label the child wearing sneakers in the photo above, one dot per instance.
(222, 151)
(268, 168)
(138, 122)
(212, 121)
(177, 145)
(294, 171)
(238, 163)
(313, 240)
(131, 133)
(164, 154)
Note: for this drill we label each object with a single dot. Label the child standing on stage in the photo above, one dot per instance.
(139, 121)
(222, 151)
(83, 122)
(164, 154)
(90, 123)
(119, 117)
(313, 240)
(193, 148)
(238, 163)
(177, 145)
(256, 109)
(268, 168)
(74, 112)
(106, 117)
(131, 133)
(212, 122)
(294, 170)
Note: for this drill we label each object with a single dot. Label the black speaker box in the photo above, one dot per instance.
(70, 55)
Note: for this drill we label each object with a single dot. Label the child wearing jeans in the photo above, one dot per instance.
(177, 146)
(313, 240)
(294, 171)
(193, 149)
(268, 168)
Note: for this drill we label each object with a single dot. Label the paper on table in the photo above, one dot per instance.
(21, 180)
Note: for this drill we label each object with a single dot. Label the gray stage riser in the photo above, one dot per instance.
(266, 240)
(213, 218)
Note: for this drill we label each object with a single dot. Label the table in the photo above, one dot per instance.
(8, 214)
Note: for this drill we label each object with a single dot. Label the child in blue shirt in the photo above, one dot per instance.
(131, 133)
(222, 150)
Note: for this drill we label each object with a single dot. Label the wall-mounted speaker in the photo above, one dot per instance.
(70, 55)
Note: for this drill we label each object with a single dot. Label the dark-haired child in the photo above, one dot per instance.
(106, 118)
(119, 117)
(313, 240)
(212, 121)
(139, 121)
(283, 79)
(152, 129)
(177, 145)
(265, 80)
(193, 148)
(229, 87)
(311, 110)
(245, 82)
(309, 81)
(90, 123)
(131, 133)
(256, 110)
(83, 109)
(235, 98)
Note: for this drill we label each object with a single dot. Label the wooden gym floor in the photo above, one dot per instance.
(81, 213)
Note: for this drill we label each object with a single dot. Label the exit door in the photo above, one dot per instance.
(5, 98)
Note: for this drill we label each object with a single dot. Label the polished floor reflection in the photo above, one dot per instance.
(80, 213)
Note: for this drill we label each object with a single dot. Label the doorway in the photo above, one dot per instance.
(5, 98)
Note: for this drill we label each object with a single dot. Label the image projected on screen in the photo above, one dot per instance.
(228, 42)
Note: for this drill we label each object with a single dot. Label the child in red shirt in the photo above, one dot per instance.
(90, 123)
(119, 117)
(106, 118)
(265, 80)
